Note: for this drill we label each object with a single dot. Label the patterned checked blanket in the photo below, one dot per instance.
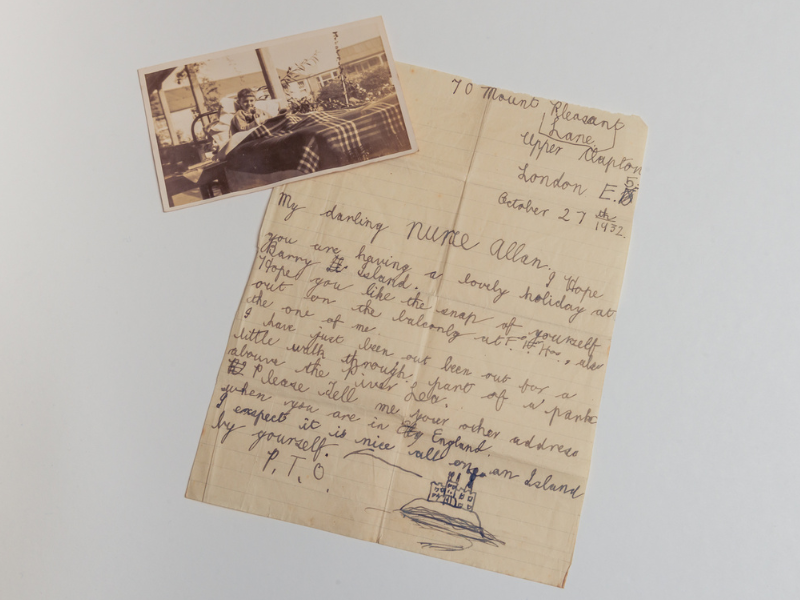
(321, 140)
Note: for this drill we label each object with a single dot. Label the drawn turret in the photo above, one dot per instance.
(451, 489)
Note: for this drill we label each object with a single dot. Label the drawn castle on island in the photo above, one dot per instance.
(449, 510)
(450, 494)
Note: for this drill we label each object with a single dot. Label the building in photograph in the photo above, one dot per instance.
(363, 56)
(355, 59)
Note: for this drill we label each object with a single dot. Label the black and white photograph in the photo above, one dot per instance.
(250, 118)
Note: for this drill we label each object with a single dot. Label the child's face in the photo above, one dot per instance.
(248, 103)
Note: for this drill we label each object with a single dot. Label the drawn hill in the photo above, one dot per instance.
(449, 509)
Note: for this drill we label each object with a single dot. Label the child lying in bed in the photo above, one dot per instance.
(249, 116)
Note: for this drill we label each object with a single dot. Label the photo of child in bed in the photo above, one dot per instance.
(249, 115)
(259, 115)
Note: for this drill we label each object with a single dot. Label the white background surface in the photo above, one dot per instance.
(115, 315)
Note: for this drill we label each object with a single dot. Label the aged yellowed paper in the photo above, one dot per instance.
(419, 355)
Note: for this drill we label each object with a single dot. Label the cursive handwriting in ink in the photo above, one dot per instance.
(453, 237)
(356, 219)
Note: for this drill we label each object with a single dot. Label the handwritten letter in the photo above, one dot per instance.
(419, 355)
